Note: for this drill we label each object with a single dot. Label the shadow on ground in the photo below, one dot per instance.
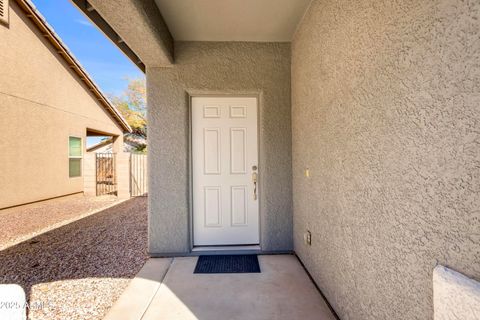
(108, 244)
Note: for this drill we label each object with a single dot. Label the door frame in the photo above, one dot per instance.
(221, 94)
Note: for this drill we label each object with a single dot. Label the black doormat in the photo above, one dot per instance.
(228, 264)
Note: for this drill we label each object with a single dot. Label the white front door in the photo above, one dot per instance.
(225, 160)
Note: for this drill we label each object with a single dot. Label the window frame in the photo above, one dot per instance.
(75, 157)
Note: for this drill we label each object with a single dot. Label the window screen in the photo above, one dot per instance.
(75, 157)
(75, 147)
(75, 167)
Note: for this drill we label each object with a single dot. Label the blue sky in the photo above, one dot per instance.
(105, 63)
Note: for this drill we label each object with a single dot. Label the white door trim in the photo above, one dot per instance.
(244, 94)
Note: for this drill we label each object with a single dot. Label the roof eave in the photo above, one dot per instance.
(33, 14)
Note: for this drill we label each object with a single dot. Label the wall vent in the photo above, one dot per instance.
(4, 11)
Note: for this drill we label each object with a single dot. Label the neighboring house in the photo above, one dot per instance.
(48, 106)
(131, 144)
(349, 137)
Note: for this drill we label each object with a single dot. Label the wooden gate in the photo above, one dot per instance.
(105, 173)
(138, 175)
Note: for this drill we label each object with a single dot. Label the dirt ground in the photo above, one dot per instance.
(78, 270)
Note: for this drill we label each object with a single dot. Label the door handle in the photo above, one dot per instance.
(254, 180)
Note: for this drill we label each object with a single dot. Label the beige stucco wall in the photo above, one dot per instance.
(219, 68)
(386, 115)
(42, 103)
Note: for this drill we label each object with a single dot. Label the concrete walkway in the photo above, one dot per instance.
(167, 289)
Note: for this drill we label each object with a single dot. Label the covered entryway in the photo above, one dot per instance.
(282, 291)
(225, 160)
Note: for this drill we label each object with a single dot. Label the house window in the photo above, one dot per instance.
(74, 157)
(4, 11)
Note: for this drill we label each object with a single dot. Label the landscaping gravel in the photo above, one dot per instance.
(79, 270)
(20, 223)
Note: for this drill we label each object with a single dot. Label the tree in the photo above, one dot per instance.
(132, 104)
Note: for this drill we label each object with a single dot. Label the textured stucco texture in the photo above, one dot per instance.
(386, 116)
(220, 68)
(141, 26)
(455, 296)
(42, 103)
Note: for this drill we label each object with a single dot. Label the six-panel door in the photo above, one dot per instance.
(225, 160)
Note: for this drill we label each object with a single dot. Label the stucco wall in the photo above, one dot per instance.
(222, 68)
(41, 103)
(386, 115)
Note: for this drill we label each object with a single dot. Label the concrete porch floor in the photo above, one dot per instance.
(167, 288)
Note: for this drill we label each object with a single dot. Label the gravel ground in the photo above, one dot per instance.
(21, 223)
(79, 270)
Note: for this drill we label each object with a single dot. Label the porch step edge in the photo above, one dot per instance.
(216, 252)
(136, 298)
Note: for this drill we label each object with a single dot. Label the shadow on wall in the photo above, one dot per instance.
(109, 244)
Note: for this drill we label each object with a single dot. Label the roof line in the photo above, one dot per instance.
(48, 32)
(100, 144)
(89, 11)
